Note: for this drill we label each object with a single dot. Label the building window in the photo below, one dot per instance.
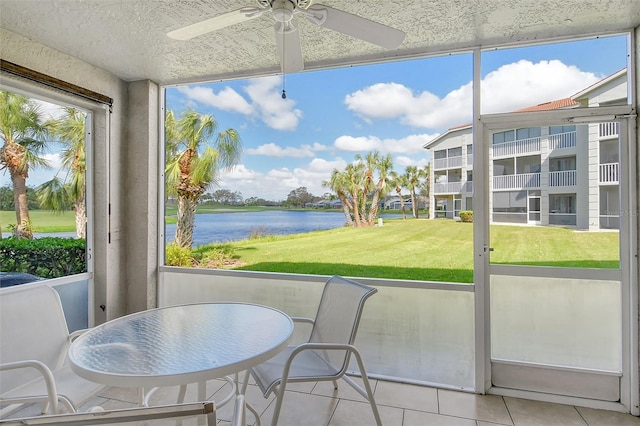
(503, 137)
(510, 206)
(562, 209)
(528, 133)
(556, 130)
(562, 164)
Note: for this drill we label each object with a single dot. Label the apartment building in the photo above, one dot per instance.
(564, 175)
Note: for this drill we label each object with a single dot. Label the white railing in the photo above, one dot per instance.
(609, 129)
(468, 186)
(449, 162)
(469, 159)
(562, 178)
(523, 180)
(609, 173)
(519, 147)
(447, 188)
(562, 140)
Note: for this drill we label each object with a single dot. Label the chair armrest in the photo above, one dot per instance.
(302, 319)
(75, 334)
(52, 393)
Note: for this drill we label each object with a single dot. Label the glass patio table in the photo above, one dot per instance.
(179, 345)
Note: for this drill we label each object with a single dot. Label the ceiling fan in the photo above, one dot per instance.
(286, 31)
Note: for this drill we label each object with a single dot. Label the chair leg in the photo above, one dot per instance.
(335, 384)
(276, 411)
(367, 386)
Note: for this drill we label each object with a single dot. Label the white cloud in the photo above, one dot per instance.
(226, 99)
(275, 112)
(411, 144)
(510, 87)
(273, 150)
(265, 102)
(276, 184)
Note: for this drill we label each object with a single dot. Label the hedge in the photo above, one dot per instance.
(48, 257)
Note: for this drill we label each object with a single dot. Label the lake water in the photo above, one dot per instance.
(224, 227)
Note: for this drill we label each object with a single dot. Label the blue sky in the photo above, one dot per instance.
(330, 116)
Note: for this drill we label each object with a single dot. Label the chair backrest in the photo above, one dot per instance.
(32, 326)
(338, 317)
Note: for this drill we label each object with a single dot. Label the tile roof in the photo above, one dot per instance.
(548, 106)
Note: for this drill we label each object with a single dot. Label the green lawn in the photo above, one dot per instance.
(438, 250)
(42, 220)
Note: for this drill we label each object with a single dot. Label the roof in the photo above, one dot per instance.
(551, 105)
(583, 93)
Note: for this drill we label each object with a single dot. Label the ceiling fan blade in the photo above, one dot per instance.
(216, 23)
(355, 26)
(289, 49)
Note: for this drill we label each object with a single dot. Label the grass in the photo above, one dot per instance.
(42, 220)
(435, 250)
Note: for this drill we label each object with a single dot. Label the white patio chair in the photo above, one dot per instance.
(326, 355)
(33, 353)
(205, 412)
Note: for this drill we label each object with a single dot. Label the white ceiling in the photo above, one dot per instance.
(128, 37)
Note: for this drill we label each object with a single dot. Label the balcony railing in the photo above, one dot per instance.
(519, 181)
(447, 188)
(468, 186)
(519, 147)
(562, 140)
(562, 178)
(447, 163)
(469, 159)
(609, 173)
(609, 129)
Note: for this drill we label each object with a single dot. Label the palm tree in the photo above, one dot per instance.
(22, 133)
(413, 176)
(339, 183)
(193, 165)
(380, 166)
(399, 182)
(57, 194)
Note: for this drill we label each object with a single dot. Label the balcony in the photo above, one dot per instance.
(609, 173)
(608, 130)
(516, 148)
(562, 140)
(447, 188)
(562, 178)
(517, 181)
(448, 162)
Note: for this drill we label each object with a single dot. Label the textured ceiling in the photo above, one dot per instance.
(128, 37)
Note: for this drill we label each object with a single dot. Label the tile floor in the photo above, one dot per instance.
(399, 405)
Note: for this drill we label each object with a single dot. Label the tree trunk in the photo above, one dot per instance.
(413, 204)
(23, 222)
(347, 210)
(186, 218)
(81, 216)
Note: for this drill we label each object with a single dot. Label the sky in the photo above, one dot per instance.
(328, 117)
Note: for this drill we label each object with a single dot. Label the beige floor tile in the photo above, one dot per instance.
(253, 396)
(352, 413)
(489, 408)
(595, 417)
(534, 413)
(420, 418)
(344, 389)
(301, 409)
(401, 395)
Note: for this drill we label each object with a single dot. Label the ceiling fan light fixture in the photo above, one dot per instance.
(282, 10)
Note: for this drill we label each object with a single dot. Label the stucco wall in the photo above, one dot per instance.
(109, 162)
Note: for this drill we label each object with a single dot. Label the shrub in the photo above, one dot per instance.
(218, 256)
(466, 216)
(178, 256)
(49, 257)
